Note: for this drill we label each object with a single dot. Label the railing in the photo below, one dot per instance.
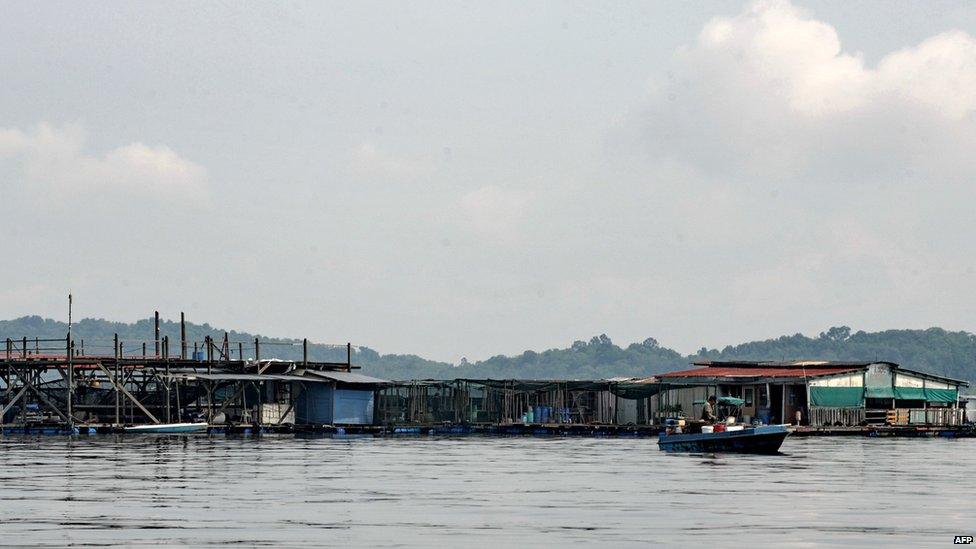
(849, 417)
(926, 416)
(826, 417)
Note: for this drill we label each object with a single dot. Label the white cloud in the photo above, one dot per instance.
(772, 93)
(53, 161)
(779, 50)
(940, 73)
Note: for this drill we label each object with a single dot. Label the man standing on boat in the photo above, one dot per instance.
(708, 414)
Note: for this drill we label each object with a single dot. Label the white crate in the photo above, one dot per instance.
(271, 414)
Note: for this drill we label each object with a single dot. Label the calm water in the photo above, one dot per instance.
(480, 492)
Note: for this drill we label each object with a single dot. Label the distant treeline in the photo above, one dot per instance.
(934, 350)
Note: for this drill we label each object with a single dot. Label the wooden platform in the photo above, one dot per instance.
(888, 431)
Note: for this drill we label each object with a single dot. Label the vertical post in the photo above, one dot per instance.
(257, 349)
(305, 352)
(23, 348)
(782, 409)
(806, 382)
(225, 348)
(167, 379)
(179, 410)
(240, 351)
(209, 401)
(182, 336)
(118, 356)
(209, 354)
(156, 338)
(143, 349)
(71, 375)
(10, 345)
(349, 355)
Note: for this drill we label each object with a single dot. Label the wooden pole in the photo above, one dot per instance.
(166, 380)
(305, 352)
(209, 342)
(71, 378)
(257, 349)
(118, 355)
(10, 345)
(182, 336)
(156, 337)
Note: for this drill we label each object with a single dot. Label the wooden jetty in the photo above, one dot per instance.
(52, 385)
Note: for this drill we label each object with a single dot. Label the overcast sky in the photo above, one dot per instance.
(470, 179)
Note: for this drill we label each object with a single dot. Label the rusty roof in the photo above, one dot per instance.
(760, 371)
(791, 363)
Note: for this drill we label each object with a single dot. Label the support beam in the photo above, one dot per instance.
(124, 391)
(42, 396)
(291, 405)
(10, 404)
(229, 402)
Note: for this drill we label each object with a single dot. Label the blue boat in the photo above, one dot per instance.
(762, 439)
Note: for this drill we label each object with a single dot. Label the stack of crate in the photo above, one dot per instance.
(275, 413)
(897, 417)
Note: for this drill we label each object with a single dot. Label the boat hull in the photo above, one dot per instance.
(168, 428)
(759, 440)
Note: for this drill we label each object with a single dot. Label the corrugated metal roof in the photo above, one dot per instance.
(791, 363)
(240, 377)
(733, 372)
(347, 377)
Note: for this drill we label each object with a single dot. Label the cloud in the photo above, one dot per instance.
(52, 161)
(771, 92)
(494, 212)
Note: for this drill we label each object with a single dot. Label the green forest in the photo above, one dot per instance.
(933, 350)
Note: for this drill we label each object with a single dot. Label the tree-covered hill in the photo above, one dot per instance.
(934, 350)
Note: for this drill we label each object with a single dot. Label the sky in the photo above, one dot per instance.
(466, 179)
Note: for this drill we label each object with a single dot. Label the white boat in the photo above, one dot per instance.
(168, 428)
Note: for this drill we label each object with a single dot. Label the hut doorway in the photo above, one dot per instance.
(775, 404)
(796, 406)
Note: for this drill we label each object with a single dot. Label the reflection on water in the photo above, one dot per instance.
(476, 491)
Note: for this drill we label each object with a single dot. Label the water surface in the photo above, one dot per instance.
(479, 492)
